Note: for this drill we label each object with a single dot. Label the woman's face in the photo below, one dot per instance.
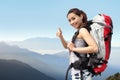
(75, 20)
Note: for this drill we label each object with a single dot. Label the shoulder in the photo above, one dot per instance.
(84, 33)
(83, 30)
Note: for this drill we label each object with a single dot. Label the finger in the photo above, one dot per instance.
(59, 29)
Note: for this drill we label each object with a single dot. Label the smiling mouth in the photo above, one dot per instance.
(75, 25)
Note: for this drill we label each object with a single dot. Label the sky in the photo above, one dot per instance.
(23, 19)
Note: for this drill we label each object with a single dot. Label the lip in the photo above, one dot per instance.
(75, 25)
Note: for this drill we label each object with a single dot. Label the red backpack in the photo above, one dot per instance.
(101, 30)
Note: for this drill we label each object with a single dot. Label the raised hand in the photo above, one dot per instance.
(59, 32)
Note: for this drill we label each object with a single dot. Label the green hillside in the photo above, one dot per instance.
(114, 77)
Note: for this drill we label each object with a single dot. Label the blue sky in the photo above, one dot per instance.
(22, 19)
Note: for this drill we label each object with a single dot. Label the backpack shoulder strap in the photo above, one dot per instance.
(69, 67)
(75, 36)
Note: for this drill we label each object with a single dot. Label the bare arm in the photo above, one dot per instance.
(63, 41)
(92, 46)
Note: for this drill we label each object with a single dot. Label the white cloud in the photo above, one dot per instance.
(47, 51)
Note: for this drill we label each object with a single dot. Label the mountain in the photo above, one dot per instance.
(116, 76)
(51, 65)
(16, 70)
(54, 65)
(40, 44)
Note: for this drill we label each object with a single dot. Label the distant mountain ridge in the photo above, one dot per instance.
(16, 70)
(52, 65)
(40, 44)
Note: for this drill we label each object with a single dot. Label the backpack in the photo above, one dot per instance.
(101, 29)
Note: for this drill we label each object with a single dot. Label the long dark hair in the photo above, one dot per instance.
(79, 12)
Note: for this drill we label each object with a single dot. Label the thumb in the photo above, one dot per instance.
(59, 29)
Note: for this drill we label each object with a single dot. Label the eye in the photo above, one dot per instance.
(69, 20)
(73, 18)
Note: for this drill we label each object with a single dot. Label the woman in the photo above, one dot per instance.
(83, 43)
